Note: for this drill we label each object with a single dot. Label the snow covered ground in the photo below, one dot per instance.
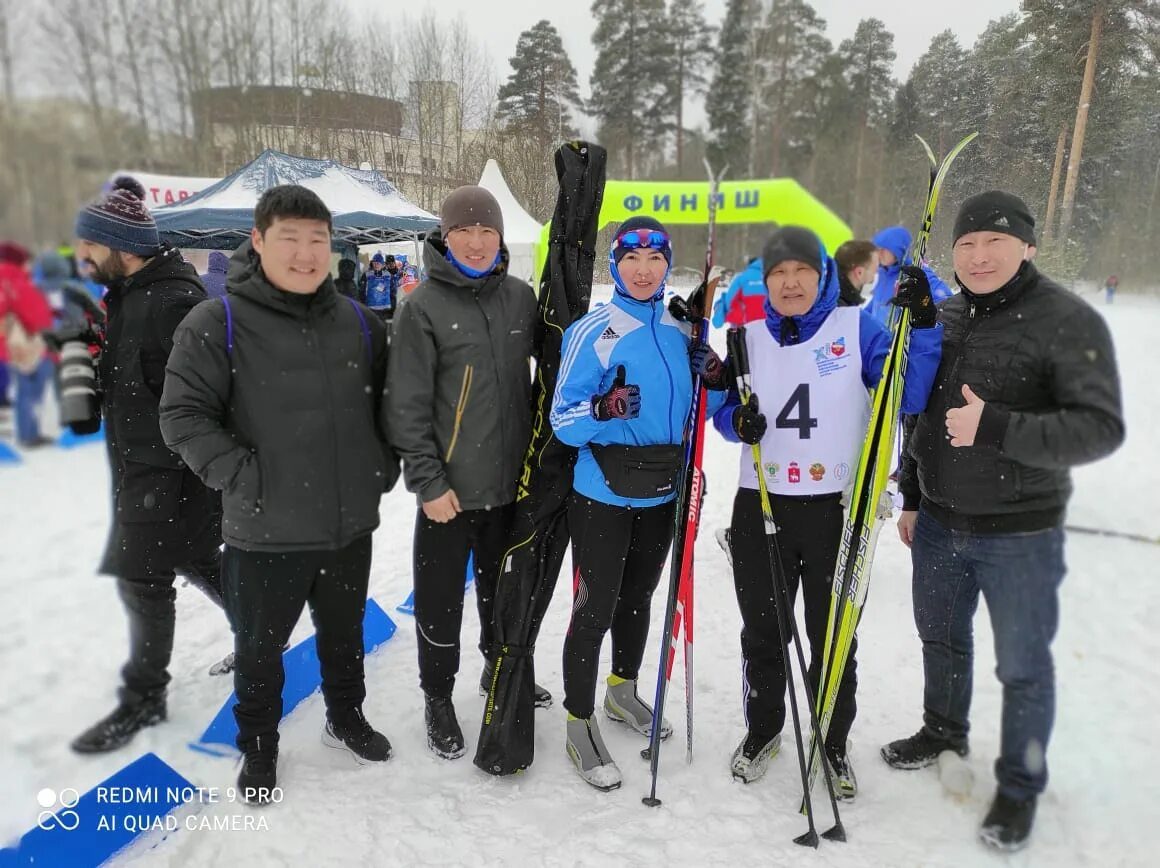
(62, 637)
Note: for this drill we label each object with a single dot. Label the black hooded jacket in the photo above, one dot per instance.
(285, 423)
(1042, 360)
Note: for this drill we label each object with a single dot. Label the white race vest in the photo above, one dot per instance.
(816, 406)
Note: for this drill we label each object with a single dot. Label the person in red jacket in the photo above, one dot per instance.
(24, 313)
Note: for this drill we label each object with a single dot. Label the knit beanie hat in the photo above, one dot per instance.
(470, 206)
(119, 219)
(796, 243)
(645, 225)
(12, 253)
(996, 211)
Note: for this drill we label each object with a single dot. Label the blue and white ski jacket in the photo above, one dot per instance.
(874, 341)
(381, 289)
(654, 349)
(897, 240)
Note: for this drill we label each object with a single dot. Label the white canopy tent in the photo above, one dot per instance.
(521, 232)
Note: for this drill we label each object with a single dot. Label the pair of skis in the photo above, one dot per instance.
(869, 502)
(679, 606)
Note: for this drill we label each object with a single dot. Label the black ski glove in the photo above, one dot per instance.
(704, 361)
(748, 422)
(914, 294)
(619, 402)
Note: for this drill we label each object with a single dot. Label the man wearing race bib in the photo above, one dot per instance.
(812, 365)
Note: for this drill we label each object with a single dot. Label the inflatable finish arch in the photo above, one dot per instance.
(779, 201)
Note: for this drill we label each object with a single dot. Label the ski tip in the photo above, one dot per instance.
(809, 839)
(646, 754)
(651, 801)
(837, 833)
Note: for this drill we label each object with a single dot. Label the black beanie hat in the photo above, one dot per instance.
(996, 211)
(792, 242)
(648, 224)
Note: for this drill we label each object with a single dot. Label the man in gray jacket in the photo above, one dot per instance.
(458, 411)
(272, 396)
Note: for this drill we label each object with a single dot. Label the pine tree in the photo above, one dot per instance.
(728, 100)
(541, 91)
(628, 80)
(689, 43)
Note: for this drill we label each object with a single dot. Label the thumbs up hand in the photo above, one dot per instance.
(963, 422)
(621, 401)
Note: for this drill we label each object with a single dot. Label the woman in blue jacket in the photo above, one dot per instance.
(812, 366)
(623, 398)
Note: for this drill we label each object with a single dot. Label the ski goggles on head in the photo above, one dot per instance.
(635, 239)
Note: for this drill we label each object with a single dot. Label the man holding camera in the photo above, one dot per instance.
(164, 520)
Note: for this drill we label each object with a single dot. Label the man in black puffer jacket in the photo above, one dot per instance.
(272, 396)
(1027, 388)
(164, 520)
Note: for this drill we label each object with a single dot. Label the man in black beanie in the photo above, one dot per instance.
(164, 520)
(1027, 388)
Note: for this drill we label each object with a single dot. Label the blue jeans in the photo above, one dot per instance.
(1019, 575)
(29, 393)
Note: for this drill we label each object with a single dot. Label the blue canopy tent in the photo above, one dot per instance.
(367, 208)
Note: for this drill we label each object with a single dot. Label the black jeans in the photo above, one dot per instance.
(440, 568)
(619, 555)
(809, 533)
(150, 607)
(265, 593)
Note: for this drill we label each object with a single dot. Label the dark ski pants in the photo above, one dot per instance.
(809, 533)
(440, 567)
(1019, 576)
(265, 594)
(150, 607)
(618, 554)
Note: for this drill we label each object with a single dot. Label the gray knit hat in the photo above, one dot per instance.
(470, 206)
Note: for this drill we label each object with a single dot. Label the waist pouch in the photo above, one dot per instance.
(640, 471)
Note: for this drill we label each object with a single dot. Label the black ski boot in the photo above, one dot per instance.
(444, 736)
(543, 699)
(259, 774)
(118, 728)
(1007, 825)
(921, 749)
(352, 732)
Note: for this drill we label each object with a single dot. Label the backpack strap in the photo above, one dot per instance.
(366, 330)
(229, 327)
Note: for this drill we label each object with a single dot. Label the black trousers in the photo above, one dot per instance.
(440, 556)
(265, 593)
(619, 555)
(150, 606)
(809, 533)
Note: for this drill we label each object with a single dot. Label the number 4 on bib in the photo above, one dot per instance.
(803, 421)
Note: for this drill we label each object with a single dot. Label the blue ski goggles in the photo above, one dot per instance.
(636, 239)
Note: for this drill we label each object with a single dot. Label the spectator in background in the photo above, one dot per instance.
(345, 283)
(214, 280)
(379, 286)
(857, 270)
(24, 313)
(1113, 283)
(744, 301)
(893, 244)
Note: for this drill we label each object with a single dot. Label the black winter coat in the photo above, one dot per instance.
(164, 519)
(1042, 360)
(285, 423)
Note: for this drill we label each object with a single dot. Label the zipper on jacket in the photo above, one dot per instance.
(311, 317)
(464, 391)
(665, 362)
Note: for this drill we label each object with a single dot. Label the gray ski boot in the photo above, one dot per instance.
(752, 757)
(587, 751)
(622, 704)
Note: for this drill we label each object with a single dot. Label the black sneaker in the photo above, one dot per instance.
(444, 736)
(543, 699)
(921, 749)
(845, 783)
(1007, 825)
(118, 728)
(353, 733)
(259, 774)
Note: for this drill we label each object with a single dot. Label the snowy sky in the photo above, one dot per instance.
(913, 22)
